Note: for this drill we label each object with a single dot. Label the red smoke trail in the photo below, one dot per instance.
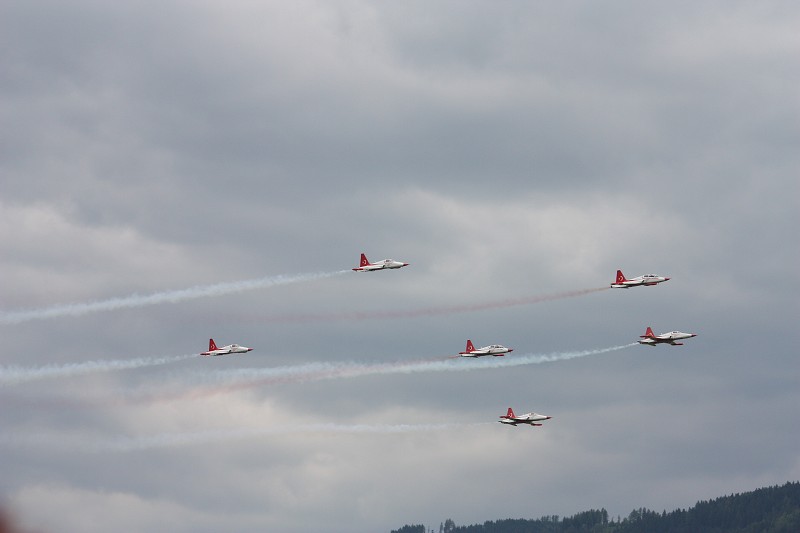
(425, 311)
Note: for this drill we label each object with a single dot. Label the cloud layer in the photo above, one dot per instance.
(514, 154)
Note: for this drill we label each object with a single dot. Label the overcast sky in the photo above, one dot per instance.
(506, 150)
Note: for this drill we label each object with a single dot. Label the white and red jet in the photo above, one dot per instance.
(366, 266)
(625, 283)
(528, 418)
(225, 350)
(496, 350)
(665, 338)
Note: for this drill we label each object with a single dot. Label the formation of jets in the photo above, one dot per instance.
(225, 350)
(528, 418)
(366, 266)
(498, 350)
(650, 339)
(648, 279)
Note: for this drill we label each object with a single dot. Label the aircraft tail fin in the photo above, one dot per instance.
(211, 345)
(470, 346)
(510, 413)
(364, 260)
(620, 277)
(648, 334)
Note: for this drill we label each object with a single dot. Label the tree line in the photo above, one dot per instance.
(767, 510)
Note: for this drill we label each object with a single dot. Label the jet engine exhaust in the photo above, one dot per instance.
(12, 375)
(210, 383)
(425, 311)
(170, 296)
(252, 378)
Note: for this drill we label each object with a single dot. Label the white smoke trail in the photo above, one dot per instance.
(171, 296)
(449, 364)
(12, 375)
(239, 379)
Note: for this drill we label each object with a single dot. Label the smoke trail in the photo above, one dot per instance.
(12, 375)
(171, 296)
(241, 379)
(427, 311)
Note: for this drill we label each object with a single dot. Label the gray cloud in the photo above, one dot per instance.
(505, 151)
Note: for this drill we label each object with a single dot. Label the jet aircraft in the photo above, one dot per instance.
(494, 349)
(366, 266)
(528, 418)
(648, 279)
(225, 350)
(650, 339)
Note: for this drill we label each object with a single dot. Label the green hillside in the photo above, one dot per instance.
(767, 510)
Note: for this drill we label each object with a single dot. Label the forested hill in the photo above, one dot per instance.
(768, 510)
